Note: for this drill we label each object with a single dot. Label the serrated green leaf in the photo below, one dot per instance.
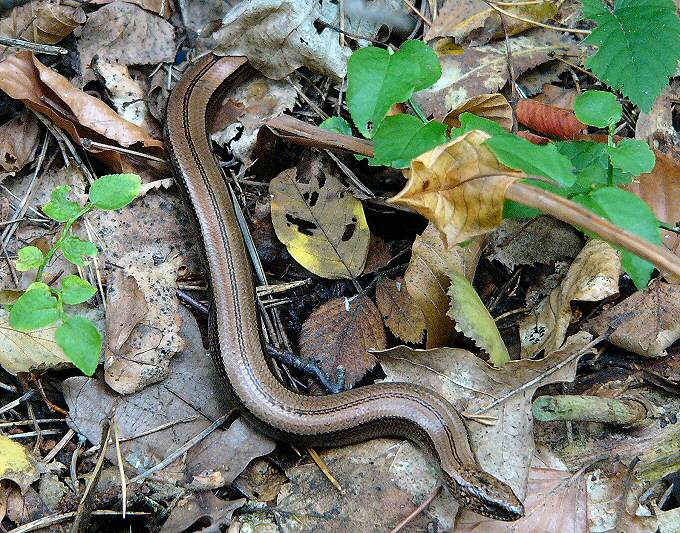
(376, 80)
(28, 258)
(638, 46)
(630, 155)
(35, 309)
(598, 108)
(473, 319)
(115, 191)
(401, 138)
(60, 208)
(82, 343)
(75, 290)
(336, 124)
(630, 212)
(77, 250)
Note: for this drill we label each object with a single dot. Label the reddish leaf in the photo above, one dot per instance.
(548, 119)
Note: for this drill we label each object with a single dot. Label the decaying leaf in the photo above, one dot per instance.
(549, 119)
(492, 106)
(427, 280)
(18, 141)
(278, 36)
(127, 307)
(473, 20)
(474, 321)
(593, 276)
(506, 448)
(17, 464)
(143, 357)
(25, 78)
(321, 223)
(378, 255)
(109, 31)
(484, 69)
(459, 186)
(186, 402)
(162, 8)
(202, 509)
(653, 324)
(340, 333)
(399, 310)
(656, 127)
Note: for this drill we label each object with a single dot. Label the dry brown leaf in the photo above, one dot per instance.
(427, 280)
(189, 400)
(320, 222)
(473, 20)
(145, 353)
(24, 78)
(18, 141)
(504, 449)
(593, 276)
(492, 106)
(549, 119)
(340, 333)
(484, 69)
(399, 310)
(459, 186)
(162, 8)
(378, 256)
(43, 22)
(127, 34)
(279, 36)
(557, 96)
(656, 127)
(653, 324)
(126, 308)
(203, 510)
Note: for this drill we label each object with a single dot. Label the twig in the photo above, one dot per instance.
(121, 470)
(89, 144)
(34, 47)
(418, 510)
(495, 7)
(11, 405)
(309, 367)
(418, 12)
(47, 521)
(57, 448)
(325, 470)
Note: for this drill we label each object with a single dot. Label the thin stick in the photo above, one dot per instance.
(495, 7)
(89, 143)
(418, 510)
(418, 12)
(54, 451)
(34, 47)
(325, 470)
(50, 520)
(121, 470)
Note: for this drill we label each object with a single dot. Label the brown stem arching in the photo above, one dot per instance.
(576, 215)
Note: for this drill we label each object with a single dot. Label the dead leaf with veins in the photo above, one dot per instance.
(340, 333)
(201, 509)
(377, 19)
(492, 106)
(320, 222)
(505, 448)
(593, 276)
(17, 464)
(126, 308)
(18, 141)
(162, 8)
(427, 279)
(187, 401)
(279, 36)
(399, 310)
(484, 69)
(459, 186)
(653, 324)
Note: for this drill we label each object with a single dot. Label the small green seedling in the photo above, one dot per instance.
(42, 305)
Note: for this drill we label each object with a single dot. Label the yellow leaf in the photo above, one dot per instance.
(459, 186)
(492, 106)
(321, 223)
(16, 464)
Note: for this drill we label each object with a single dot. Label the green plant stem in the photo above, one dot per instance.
(67, 229)
(417, 110)
(610, 167)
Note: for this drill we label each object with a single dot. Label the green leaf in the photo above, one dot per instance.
(591, 161)
(401, 138)
(598, 108)
(376, 80)
(28, 258)
(76, 249)
(82, 343)
(635, 157)
(115, 191)
(60, 208)
(469, 122)
(75, 290)
(473, 319)
(638, 46)
(630, 212)
(533, 159)
(336, 124)
(35, 309)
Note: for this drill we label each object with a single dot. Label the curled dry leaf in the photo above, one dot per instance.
(340, 333)
(459, 186)
(503, 449)
(653, 325)
(43, 22)
(593, 276)
(18, 141)
(400, 311)
(25, 78)
(427, 279)
(321, 223)
(548, 119)
(492, 106)
(17, 464)
(162, 8)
